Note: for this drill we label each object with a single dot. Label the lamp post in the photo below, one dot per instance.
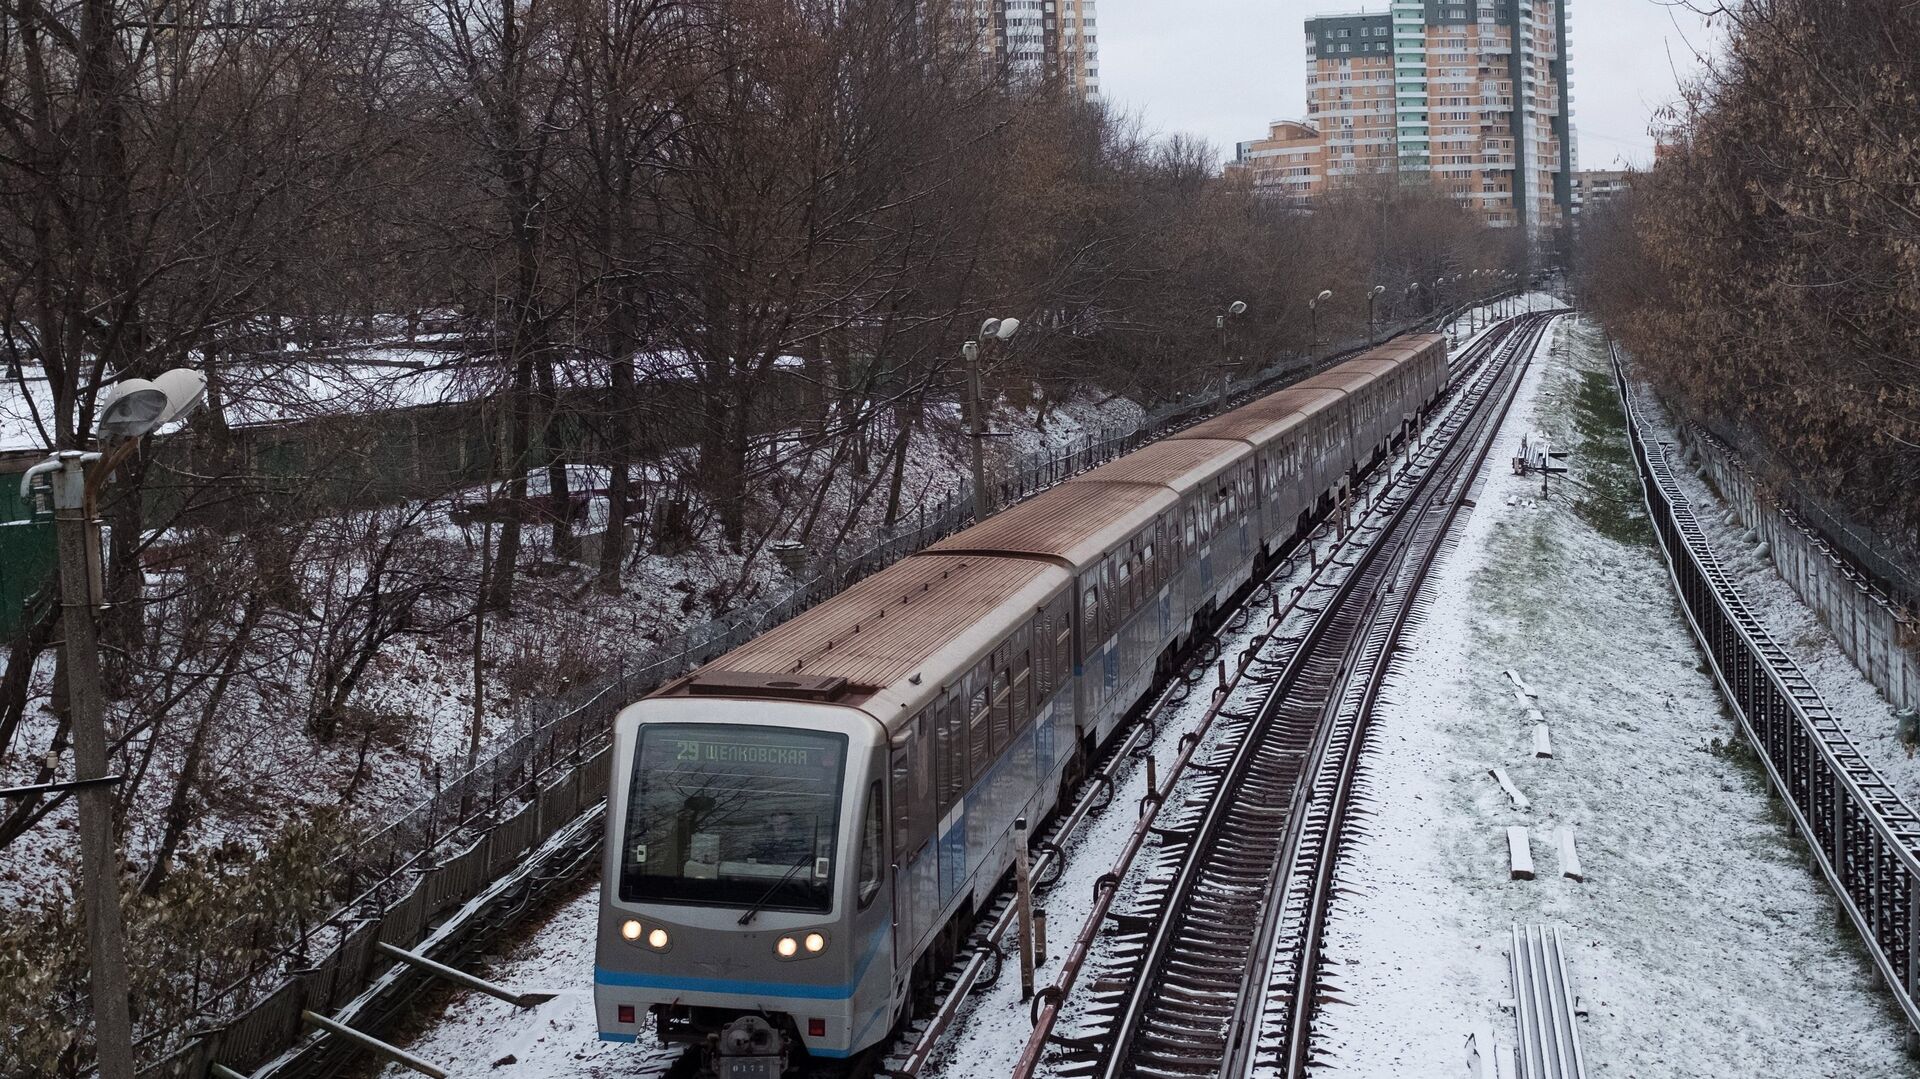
(137, 408)
(993, 329)
(1313, 317)
(1220, 324)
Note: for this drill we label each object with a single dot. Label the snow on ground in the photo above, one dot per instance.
(468, 1032)
(1856, 702)
(1701, 941)
(476, 1034)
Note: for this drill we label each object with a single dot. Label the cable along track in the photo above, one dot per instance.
(1212, 965)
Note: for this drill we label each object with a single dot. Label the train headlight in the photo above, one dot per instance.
(658, 940)
(815, 942)
(786, 948)
(630, 929)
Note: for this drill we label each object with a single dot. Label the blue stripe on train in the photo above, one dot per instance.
(628, 979)
(631, 979)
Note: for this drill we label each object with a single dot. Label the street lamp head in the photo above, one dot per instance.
(139, 406)
(1237, 307)
(989, 328)
(1007, 328)
(1325, 295)
(1377, 290)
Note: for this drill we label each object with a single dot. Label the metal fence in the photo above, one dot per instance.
(1892, 562)
(480, 823)
(1874, 628)
(1862, 834)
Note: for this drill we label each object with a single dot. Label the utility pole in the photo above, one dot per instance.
(1313, 321)
(977, 428)
(1223, 325)
(136, 408)
(99, 864)
(993, 329)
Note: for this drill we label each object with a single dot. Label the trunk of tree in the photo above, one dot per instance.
(500, 573)
(906, 420)
(566, 546)
(186, 782)
(620, 467)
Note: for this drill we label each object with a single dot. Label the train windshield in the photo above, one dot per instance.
(733, 816)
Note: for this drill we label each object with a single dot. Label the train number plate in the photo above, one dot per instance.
(731, 1067)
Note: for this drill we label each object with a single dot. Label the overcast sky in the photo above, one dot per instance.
(1222, 69)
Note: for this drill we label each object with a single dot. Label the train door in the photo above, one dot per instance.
(950, 785)
(1250, 504)
(876, 998)
(916, 876)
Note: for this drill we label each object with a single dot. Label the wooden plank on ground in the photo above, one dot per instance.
(1519, 854)
(1542, 741)
(1520, 683)
(1513, 793)
(1569, 858)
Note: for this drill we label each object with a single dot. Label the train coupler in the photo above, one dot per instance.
(749, 1048)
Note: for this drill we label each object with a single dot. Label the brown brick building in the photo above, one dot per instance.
(1469, 95)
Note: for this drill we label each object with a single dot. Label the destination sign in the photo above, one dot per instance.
(693, 752)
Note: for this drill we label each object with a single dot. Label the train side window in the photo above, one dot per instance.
(1090, 614)
(922, 772)
(979, 716)
(1024, 701)
(1148, 566)
(870, 849)
(1002, 710)
(1191, 538)
(950, 755)
(1042, 668)
(1115, 608)
(1062, 642)
(1126, 584)
(900, 791)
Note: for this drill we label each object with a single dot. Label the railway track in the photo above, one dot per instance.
(980, 967)
(1336, 552)
(1214, 970)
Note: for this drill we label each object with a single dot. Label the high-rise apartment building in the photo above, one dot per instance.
(1469, 95)
(1041, 40)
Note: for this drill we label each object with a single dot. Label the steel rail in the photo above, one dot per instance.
(1429, 541)
(1192, 1009)
(926, 1039)
(1052, 1000)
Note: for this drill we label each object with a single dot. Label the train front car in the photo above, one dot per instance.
(797, 832)
(739, 908)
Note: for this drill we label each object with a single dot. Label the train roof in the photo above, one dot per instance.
(1265, 419)
(1348, 377)
(1375, 365)
(1411, 345)
(1179, 463)
(865, 646)
(1073, 524)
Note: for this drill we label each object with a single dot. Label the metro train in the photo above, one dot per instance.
(799, 833)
